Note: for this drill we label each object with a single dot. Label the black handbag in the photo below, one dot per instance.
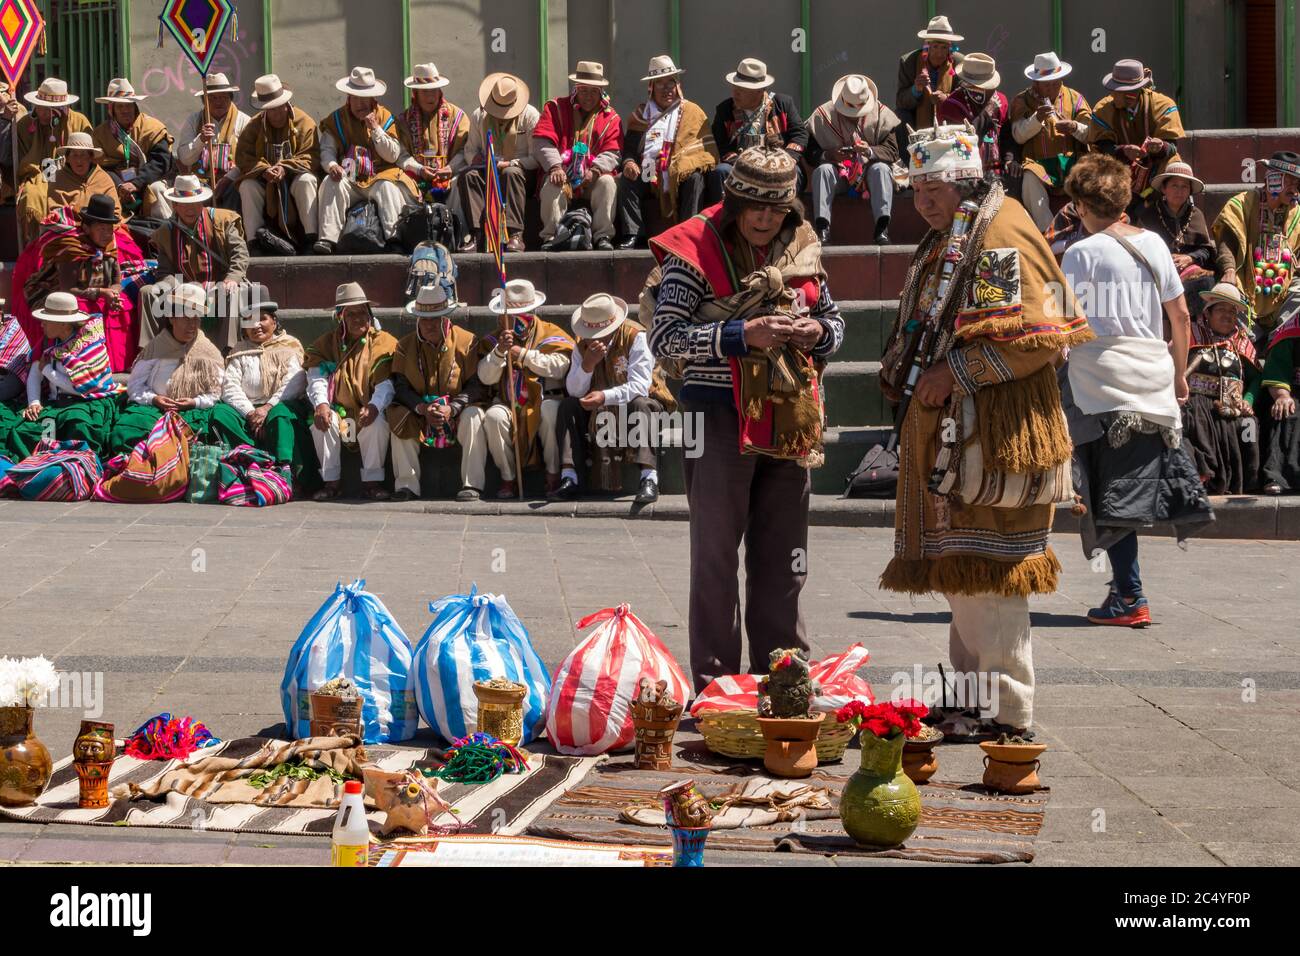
(362, 234)
(876, 475)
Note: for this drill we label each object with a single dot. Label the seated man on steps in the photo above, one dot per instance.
(360, 153)
(137, 151)
(506, 114)
(433, 370)
(754, 116)
(40, 135)
(611, 384)
(433, 133)
(278, 156)
(79, 177)
(207, 144)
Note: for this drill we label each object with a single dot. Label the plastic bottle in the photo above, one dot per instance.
(351, 835)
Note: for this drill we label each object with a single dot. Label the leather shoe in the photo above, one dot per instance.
(508, 490)
(648, 492)
(468, 244)
(631, 242)
(323, 247)
(881, 237)
(552, 481)
(567, 490)
(515, 244)
(604, 244)
(824, 234)
(468, 493)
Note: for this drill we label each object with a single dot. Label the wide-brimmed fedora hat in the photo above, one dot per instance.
(425, 76)
(217, 83)
(350, 293)
(940, 29)
(503, 96)
(60, 307)
(751, 74)
(1047, 67)
(1225, 292)
(53, 93)
(1181, 170)
(269, 92)
(80, 141)
(431, 302)
(362, 82)
(516, 298)
(1127, 75)
(589, 73)
(1285, 161)
(254, 300)
(599, 315)
(980, 71)
(661, 66)
(189, 299)
(100, 208)
(120, 90)
(853, 95)
(187, 189)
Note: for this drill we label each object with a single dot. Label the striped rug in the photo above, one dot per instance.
(960, 823)
(505, 806)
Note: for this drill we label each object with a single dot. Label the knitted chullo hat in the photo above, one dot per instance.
(944, 153)
(763, 175)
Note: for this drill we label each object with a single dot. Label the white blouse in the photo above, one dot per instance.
(54, 373)
(243, 390)
(149, 380)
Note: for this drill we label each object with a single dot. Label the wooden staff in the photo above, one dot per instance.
(515, 434)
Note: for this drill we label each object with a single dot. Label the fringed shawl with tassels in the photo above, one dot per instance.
(200, 367)
(1002, 332)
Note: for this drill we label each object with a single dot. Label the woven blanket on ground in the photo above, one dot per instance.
(506, 806)
(760, 801)
(496, 850)
(248, 477)
(959, 823)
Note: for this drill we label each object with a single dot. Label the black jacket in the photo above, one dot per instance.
(785, 116)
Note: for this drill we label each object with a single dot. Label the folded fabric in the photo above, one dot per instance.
(759, 802)
(165, 737)
(835, 679)
(1119, 373)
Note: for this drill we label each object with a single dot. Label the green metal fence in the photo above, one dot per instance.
(86, 45)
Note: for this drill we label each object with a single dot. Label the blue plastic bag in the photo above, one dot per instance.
(353, 636)
(475, 637)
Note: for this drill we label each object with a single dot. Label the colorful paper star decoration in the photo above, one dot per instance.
(198, 26)
(21, 26)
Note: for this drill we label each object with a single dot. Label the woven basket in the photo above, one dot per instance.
(735, 733)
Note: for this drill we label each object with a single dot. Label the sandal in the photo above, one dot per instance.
(374, 491)
(328, 493)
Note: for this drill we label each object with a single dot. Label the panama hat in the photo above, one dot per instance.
(80, 141)
(269, 92)
(1128, 75)
(60, 307)
(599, 316)
(350, 293)
(188, 300)
(980, 71)
(362, 82)
(516, 298)
(100, 208)
(1047, 67)
(853, 95)
(1225, 292)
(425, 76)
(940, 29)
(660, 67)
(187, 189)
(53, 93)
(1181, 170)
(431, 302)
(217, 83)
(254, 300)
(503, 96)
(751, 74)
(589, 73)
(120, 90)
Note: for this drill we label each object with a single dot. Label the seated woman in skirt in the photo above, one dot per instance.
(1222, 375)
(1281, 377)
(70, 384)
(264, 390)
(179, 371)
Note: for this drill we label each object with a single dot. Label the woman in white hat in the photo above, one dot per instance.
(433, 370)
(277, 158)
(360, 151)
(180, 371)
(79, 177)
(433, 133)
(928, 74)
(69, 382)
(54, 120)
(505, 113)
(853, 149)
(209, 139)
(349, 385)
(1050, 122)
(1223, 378)
(1136, 125)
(1174, 215)
(137, 150)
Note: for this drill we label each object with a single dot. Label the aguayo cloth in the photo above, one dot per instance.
(15, 350)
(524, 386)
(1052, 150)
(1156, 115)
(440, 372)
(837, 677)
(355, 368)
(1264, 242)
(685, 146)
(250, 478)
(84, 357)
(1001, 331)
(57, 471)
(296, 147)
(353, 138)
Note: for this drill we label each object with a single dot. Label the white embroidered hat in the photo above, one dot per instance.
(120, 90)
(519, 296)
(944, 153)
(53, 93)
(599, 316)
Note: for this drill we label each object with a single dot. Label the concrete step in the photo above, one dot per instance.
(1220, 155)
(853, 393)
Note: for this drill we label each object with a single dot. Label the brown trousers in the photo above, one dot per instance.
(514, 190)
(763, 502)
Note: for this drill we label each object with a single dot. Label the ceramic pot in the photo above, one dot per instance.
(791, 750)
(688, 845)
(1011, 768)
(880, 807)
(25, 764)
(685, 806)
(501, 711)
(333, 716)
(920, 762)
(92, 779)
(654, 728)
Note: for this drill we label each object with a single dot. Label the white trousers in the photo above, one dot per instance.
(252, 200)
(406, 456)
(601, 196)
(990, 634)
(336, 196)
(483, 431)
(1033, 193)
(373, 442)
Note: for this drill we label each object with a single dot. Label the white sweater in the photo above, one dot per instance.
(149, 380)
(242, 387)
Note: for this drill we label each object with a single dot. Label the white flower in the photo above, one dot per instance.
(26, 681)
(8, 682)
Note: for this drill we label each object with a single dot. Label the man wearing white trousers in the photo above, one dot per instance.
(360, 151)
(349, 387)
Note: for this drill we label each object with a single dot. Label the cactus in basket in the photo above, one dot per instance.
(787, 690)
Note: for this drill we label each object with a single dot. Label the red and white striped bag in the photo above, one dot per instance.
(589, 709)
(837, 675)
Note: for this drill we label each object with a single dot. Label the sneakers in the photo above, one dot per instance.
(1118, 612)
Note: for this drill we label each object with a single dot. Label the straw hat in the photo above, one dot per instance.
(516, 298)
(1128, 75)
(120, 90)
(599, 316)
(503, 96)
(660, 67)
(940, 29)
(254, 300)
(362, 82)
(425, 76)
(100, 208)
(269, 92)
(1047, 67)
(1226, 292)
(53, 93)
(431, 302)
(80, 141)
(980, 71)
(589, 73)
(217, 83)
(188, 300)
(187, 189)
(853, 95)
(350, 293)
(751, 74)
(1183, 171)
(60, 307)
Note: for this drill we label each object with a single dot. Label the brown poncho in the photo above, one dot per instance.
(432, 370)
(349, 133)
(692, 151)
(145, 134)
(353, 369)
(296, 147)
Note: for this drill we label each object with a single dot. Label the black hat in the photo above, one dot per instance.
(255, 299)
(1286, 161)
(101, 208)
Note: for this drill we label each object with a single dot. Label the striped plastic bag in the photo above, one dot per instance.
(353, 636)
(590, 707)
(475, 637)
(836, 676)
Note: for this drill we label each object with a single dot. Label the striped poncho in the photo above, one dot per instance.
(84, 356)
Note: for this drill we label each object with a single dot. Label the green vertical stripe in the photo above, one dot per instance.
(1058, 27)
(124, 35)
(1288, 52)
(931, 9)
(543, 52)
(805, 61)
(406, 49)
(675, 30)
(268, 63)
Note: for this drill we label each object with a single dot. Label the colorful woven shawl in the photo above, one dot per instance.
(248, 477)
(84, 357)
(15, 352)
(56, 471)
